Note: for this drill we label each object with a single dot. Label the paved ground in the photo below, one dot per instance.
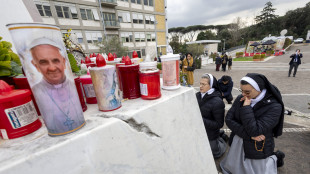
(295, 141)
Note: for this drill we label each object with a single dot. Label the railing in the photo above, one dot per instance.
(111, 24)
(108, 1)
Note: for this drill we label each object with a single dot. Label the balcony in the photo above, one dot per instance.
(111, 24)
(108, 3)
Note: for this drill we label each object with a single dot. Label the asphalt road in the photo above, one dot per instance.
(295, 141)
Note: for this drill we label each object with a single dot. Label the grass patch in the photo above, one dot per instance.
(243, 59)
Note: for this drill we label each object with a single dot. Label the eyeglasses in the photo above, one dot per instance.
(246, 92)
(203, 84)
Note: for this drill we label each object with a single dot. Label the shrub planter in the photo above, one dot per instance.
(257, 59)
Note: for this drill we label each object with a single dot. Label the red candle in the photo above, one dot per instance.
(129, 75)
(78, 84)
(22, 83)
(88, 88)
(17, 112)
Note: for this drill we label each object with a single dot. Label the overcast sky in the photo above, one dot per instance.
(182, 13)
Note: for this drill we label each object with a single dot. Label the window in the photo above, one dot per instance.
(93, 37)
(66, 11)
(149, 19)
(143, 52)
(139, 37)
(137, 18)
(109, 17)
(89, 14)
(136, 1)
(148, 2)
(124, 17)
(126, 37)
(124, 0)
(150, 37)
(44, 9)
(153, 36)
(62, 12)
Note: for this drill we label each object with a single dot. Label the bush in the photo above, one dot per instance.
(256, 56)
(287, 43)
(239, 54)
(262, 56)
(213, 55)
(159, 66)
(270, 52)
(198, 63)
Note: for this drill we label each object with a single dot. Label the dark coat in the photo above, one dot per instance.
(298, 58)
(226, 89)
(218, 60)
(247, 122)
(226, 60)
(229, 61)
(212, 109)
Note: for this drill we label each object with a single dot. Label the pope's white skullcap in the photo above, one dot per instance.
(44, 41)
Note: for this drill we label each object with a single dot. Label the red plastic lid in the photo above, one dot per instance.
(135, 54)
(110, 57)
(91, 55)
(123, 59)
(4, 88)
(7, 94)
(87, 60)
(100, 61)
(114, 55)
(94, 55)
(127, 61)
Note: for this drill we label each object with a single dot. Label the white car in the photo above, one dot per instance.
(299, 40)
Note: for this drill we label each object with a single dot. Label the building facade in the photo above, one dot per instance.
(139, 24)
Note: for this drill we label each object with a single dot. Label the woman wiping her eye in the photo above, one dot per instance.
(255, 118)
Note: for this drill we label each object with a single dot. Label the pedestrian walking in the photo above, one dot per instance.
(212, 109)
(218, 62)
(295, 62)
(226, 84)
(229, 62)
(188, 67)
(255, 118)
(224, 62)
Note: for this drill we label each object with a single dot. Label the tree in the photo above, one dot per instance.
(267, 18)
(113, 45)
(207, 35)
(195, 49)
(175, 44)
(267, 14)
(235, 31)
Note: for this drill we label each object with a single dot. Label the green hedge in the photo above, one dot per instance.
(287, 43)
(256, 56)
(262, 56)
(198, 63)
(270, 52)
(159, 66)
(239, 54)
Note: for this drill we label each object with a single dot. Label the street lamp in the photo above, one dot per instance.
(242, 40)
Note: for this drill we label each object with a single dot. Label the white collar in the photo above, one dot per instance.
(258, 98)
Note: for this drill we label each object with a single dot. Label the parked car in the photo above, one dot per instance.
(299, 40)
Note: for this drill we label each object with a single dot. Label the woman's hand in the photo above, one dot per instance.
(185, 66)
(246, 100)
(259, 138)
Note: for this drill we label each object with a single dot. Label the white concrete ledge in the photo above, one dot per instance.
(166, 135)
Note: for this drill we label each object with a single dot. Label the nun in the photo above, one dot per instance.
(255, 118)
(212, 109)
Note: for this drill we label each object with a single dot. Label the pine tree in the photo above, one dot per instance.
(267, 14)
